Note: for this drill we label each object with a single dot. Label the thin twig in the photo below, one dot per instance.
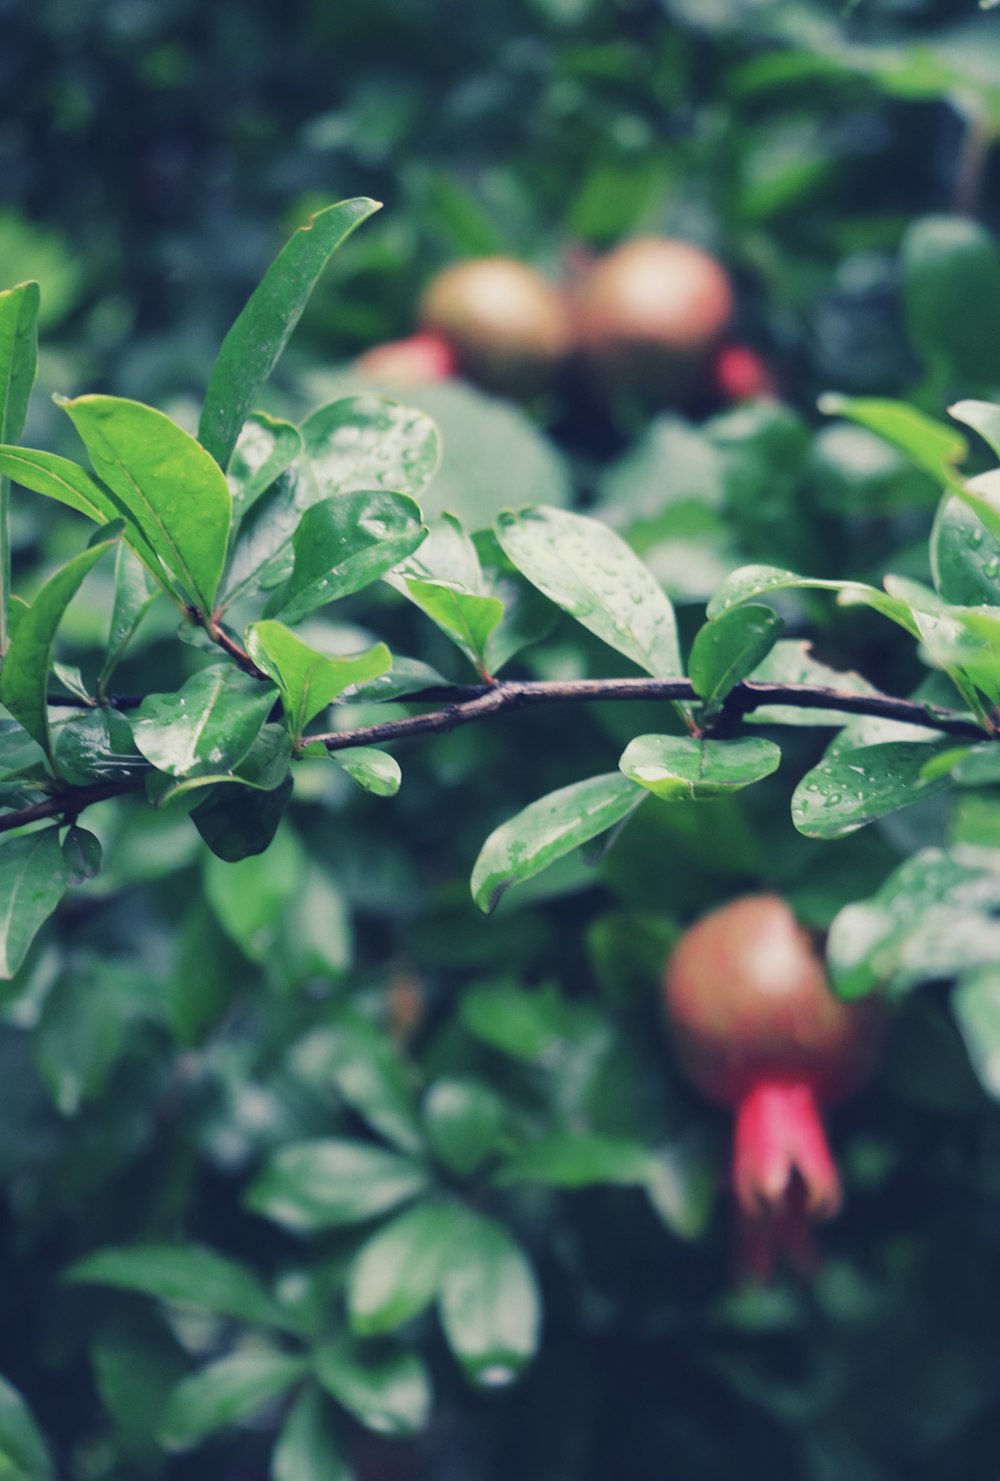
(478, 702)
(475, 704)
(69, 804)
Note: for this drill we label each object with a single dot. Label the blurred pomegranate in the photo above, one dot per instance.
(507, 328)
(650, 316)
(408, 362)
(756, 1027)
(741, 375)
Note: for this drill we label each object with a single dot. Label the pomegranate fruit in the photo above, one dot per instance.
(506, 326)
(756, 1027)
(741, 375)
(650, 315)
(408, 362)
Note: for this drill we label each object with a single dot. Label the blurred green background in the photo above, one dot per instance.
(838, 159)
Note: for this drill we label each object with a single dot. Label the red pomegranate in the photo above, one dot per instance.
(408, 362)
(506, 325)
(741, 374)
(756, 1027)
(650, 315)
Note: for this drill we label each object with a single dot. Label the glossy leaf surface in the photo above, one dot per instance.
(398, 1272)
(846, 791)
(166, 483)
(593, 575)
(327, 1183)
(388, 1391)
(549, 829)
(681, 766)
(208, 726)
(309, 681)
(490, 1303)
(254, 344)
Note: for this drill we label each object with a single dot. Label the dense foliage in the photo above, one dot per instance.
(341, 1134)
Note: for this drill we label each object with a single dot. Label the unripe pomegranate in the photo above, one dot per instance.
(650, 315)
(756, 1027)
(741, 375)
(408, 362)
(507, 327)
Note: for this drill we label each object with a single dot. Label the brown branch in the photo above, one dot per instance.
(478, 702)
(69, 804)
(228, 644)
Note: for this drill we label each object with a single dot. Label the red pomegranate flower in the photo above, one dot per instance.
(756, 1027)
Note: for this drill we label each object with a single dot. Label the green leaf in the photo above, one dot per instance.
(373, 770)
(965, 557)
(185, 1274)
(464, 1121)
(578, 1159)
(226, 1392)
(253, 346)
(681, 1186)
(976, 1006)
(248, 897)
(316, 938)
(397, 1273)
(82, 855)
(264, 768)
(854, 787)
(18, 356)
(490, 1303)
(539, 1026)
(983, 417)
(933, 446)
(25, 675)
(527, 615)
(265, 448)
(749, 582)
(135, 591)
(207, 974)
(446, 581)
(137, 1362)
(951, 294)
(355, 444)
(591, 573)
(387, 1391)
(18, 368)
(680, 766)
(95, 744)
(309, 681)
(240, 827)
(208, 726)
(725, 651)
(308, 1448)
(66, 482)
(32, 882)
(344, 544)
(324, 1184)
(22, 1447)
(931, 918)
(549, 829)
(370, 442)
(468, 620)
(166, 482)
(367, 1071)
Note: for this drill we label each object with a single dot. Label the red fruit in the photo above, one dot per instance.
(756, 1027)
(650, 315)
(507, 327)
(408, 362)
(741, 374)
